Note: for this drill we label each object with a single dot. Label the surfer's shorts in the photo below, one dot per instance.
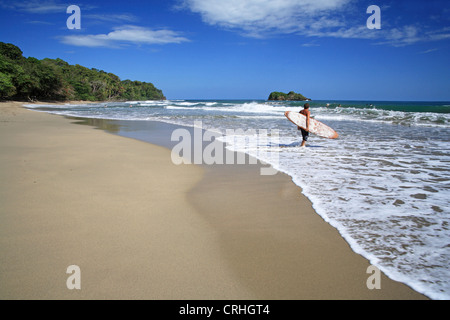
(305, 134)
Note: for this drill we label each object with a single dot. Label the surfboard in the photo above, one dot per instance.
(316, 127)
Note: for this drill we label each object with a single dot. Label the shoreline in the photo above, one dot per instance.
(252, 242)
(246, 178)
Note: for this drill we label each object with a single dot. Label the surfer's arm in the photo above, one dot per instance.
(308, 115)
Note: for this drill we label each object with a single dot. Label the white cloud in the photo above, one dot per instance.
(440, 34)
(359, 32)
(125, 35)
(37, 22)
(428, 51)
(39, 7)
(310, 44)
(259, 17)
(311, 18)
(33, 6)
(125, 17)
(53, 6)
(411, 34)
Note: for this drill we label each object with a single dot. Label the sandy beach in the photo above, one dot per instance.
(140, 227)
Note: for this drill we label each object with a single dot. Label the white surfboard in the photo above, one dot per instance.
(316, 127)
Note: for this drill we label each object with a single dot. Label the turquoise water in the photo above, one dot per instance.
(384, 183)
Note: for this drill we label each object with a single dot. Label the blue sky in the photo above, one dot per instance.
(244, 49)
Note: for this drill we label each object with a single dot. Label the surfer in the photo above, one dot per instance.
(305, 133)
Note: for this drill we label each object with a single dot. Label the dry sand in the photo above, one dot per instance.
(140, 227)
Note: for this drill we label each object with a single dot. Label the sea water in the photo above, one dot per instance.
(384, 183)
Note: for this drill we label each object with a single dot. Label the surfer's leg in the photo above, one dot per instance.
(305, 135)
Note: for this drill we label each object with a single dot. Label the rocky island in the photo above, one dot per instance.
(291, 96)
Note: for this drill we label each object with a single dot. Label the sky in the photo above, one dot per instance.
(245, 49)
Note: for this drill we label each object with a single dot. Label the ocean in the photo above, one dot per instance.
(384, 184)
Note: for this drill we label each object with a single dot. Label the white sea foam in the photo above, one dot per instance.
(187, 103)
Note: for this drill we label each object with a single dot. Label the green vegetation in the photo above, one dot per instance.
(54, 79)
(291, 96)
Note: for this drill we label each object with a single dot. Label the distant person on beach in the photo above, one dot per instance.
(305, 133)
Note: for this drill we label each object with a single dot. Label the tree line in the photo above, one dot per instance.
(54, 79)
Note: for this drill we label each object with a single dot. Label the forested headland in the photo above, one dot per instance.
(54, 79)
